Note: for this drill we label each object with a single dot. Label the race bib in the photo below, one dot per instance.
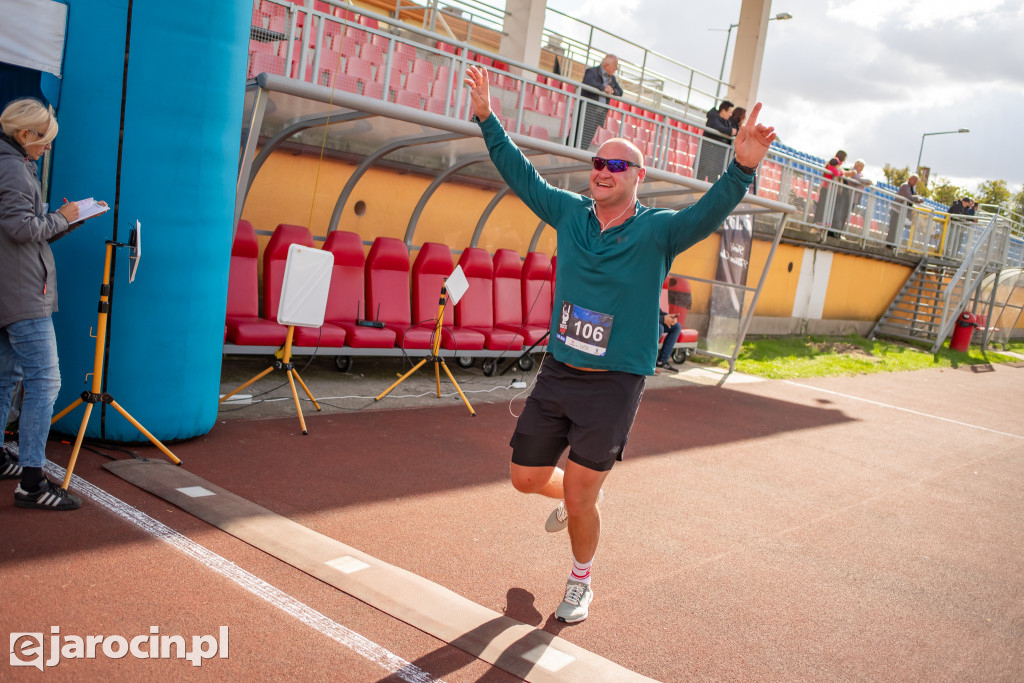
(583, 329)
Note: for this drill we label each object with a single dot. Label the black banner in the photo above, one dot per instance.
(733, 263)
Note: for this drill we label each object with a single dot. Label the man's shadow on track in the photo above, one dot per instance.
(510, 664)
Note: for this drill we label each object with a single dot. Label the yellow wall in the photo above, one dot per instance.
(301, 189)
(861, 288)
(776, 299)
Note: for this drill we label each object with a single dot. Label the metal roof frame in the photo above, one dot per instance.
(451, 150)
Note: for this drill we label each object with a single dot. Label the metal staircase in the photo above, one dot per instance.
(916, 314)
(938, 290)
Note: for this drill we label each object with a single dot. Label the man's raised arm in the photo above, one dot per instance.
(753, 140)
(479, 91)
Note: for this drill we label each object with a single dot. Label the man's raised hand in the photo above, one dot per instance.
(753, 140)
(479, 91)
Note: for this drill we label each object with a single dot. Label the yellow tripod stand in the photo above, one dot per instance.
(434, 358)
(95, 394)
(285, 363)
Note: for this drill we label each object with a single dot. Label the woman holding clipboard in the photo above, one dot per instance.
(28, 298)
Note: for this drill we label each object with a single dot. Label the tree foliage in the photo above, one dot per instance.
(896, 176)
(1017, 203)
(945, 192)
(993, 192)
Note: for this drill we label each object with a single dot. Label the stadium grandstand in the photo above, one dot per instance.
(353, 119)
(411, 57)
(833, 528)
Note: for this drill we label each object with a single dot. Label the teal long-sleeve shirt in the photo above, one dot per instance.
(607, 284)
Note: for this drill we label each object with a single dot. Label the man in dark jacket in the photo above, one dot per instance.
(597, 80)
(28, 297)
(711, 163)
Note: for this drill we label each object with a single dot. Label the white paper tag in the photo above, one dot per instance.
(457, 284)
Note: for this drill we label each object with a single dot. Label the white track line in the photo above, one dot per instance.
(905, 410)
(255, 585)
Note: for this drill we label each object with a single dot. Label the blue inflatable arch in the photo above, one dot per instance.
(178, 96)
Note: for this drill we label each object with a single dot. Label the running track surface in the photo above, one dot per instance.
(865, 528)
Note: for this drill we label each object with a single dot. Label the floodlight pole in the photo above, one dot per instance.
(781, 16)
(921, 151)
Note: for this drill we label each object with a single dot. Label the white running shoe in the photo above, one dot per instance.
(576, 604)
(558, 520)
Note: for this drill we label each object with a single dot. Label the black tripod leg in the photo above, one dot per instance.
(527, 352)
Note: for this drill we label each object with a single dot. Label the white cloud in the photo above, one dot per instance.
(914, 15)
(869, 76)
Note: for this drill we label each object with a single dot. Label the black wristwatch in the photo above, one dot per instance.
(749, 170)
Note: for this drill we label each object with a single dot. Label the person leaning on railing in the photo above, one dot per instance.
(904, 196)
(711, 163)
(847, 197)
(597, 80)
(830, 178)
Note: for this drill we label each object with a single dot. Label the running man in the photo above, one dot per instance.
(613, 256)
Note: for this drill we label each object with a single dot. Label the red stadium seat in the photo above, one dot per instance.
(419, 83)
(264, 62)
(423, 66)
(244, 325)
(346, 303)
(508, 291)
(433, 264)
(388, 294)
(275, 258)
(539, 132)
(405, 56)
(476, 309)
(408, 98)
(537, 279)
(435, 105)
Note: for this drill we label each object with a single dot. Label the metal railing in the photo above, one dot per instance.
(653, 79)
(985, 252)
(309, 44)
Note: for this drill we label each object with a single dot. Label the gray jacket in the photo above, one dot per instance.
(28, 276)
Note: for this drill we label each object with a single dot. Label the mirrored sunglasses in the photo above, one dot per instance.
(614, 165)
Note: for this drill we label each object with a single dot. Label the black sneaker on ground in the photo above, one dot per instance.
(668, 367)
(48, 497)
(9, 467)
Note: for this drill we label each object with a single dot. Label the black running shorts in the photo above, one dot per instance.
(590, 412)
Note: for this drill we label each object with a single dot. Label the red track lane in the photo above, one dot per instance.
(829, 529)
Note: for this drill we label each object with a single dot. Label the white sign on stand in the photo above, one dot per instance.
(307, 280)
(457, 284)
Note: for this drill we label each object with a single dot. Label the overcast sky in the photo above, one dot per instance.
(867, 76)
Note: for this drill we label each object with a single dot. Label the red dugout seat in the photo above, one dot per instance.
(538, 276)
(346, 303)
(387, 291)
(508, 294)
(274, 258)
(676, 298)
(433, 264)
(244, 325)
(476, 309)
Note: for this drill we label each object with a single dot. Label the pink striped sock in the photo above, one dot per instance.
(581, 571)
